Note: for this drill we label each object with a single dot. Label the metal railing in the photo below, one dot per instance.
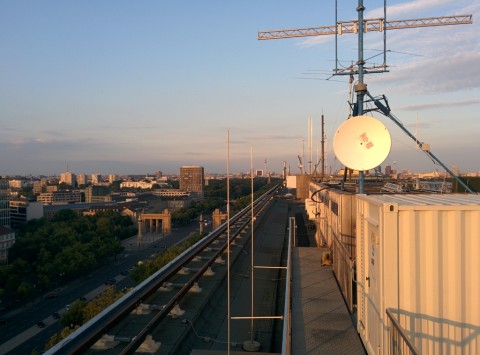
(287, 312)
(400, 343)
(343, 270)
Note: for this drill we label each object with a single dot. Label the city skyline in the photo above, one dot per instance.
(131, 87)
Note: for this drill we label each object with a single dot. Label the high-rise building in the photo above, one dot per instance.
(96, 178)
(68, 178)
(192, 179)
(112, 178)
(81, 179)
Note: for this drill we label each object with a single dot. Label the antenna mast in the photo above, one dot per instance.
(368, 25)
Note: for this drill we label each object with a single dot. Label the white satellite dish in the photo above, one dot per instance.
(362, 143)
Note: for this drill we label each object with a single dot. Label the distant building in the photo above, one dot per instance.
(112, 178)
(39, 186)
(68, 178)
(81, 179)
(137, 184)
(22, 210)
(192, 179)
(7, 239)
(172, 193)
(52, 188)
(59, 197)
(96, 178)
(15, 184)
(96, 209)
(4, 211)
(388, 170)
(97, 193)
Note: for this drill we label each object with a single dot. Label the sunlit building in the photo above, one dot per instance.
(59, 197)
(112, 178)
(81, 179)
(68, 178)
(96, 178)
(192, 179)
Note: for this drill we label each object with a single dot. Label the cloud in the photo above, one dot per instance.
(409, 8)
(315, 40)
(277, 137)
(435, 105)
(441, 74)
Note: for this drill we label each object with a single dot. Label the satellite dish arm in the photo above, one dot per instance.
(387, 112)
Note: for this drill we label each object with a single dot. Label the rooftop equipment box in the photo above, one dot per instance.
(418, 257)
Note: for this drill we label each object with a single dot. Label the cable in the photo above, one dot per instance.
(207, 338)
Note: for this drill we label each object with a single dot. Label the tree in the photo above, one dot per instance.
(74, 316)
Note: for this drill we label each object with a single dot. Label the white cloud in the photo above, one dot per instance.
(441, 74)
(411, 8)
(435, 105)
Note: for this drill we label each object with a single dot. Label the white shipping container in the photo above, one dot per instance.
(419, 257)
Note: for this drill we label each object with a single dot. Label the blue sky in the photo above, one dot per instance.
(138, 86)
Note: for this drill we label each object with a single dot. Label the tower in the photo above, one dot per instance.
(192, 179)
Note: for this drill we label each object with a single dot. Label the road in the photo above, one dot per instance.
(21, 335)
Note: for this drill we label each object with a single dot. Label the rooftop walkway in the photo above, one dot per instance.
(321, 323)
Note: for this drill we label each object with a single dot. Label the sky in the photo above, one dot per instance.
(133, 87)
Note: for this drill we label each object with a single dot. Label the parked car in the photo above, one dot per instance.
(110, 282)
(41, 324)
(56, 315)
(52, 295)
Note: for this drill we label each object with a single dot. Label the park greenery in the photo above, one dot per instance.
(50, 252)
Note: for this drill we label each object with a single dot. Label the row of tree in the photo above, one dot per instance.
(216, 195)
(48, 253)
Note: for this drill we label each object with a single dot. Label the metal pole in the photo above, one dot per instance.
(252, 260)
(360, 88)
(228, 242)
(387, 113)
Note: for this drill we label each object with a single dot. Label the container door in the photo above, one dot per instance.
(373, 284)
(368, 274)
(361, 275)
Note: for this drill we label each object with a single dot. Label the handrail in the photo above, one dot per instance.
(398, 337)
(287, 312)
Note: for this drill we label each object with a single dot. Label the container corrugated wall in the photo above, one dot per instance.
(418, 255)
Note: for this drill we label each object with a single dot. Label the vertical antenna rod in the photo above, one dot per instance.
(360, 87)
(323, 147)
(252, 260)
(228, 242)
